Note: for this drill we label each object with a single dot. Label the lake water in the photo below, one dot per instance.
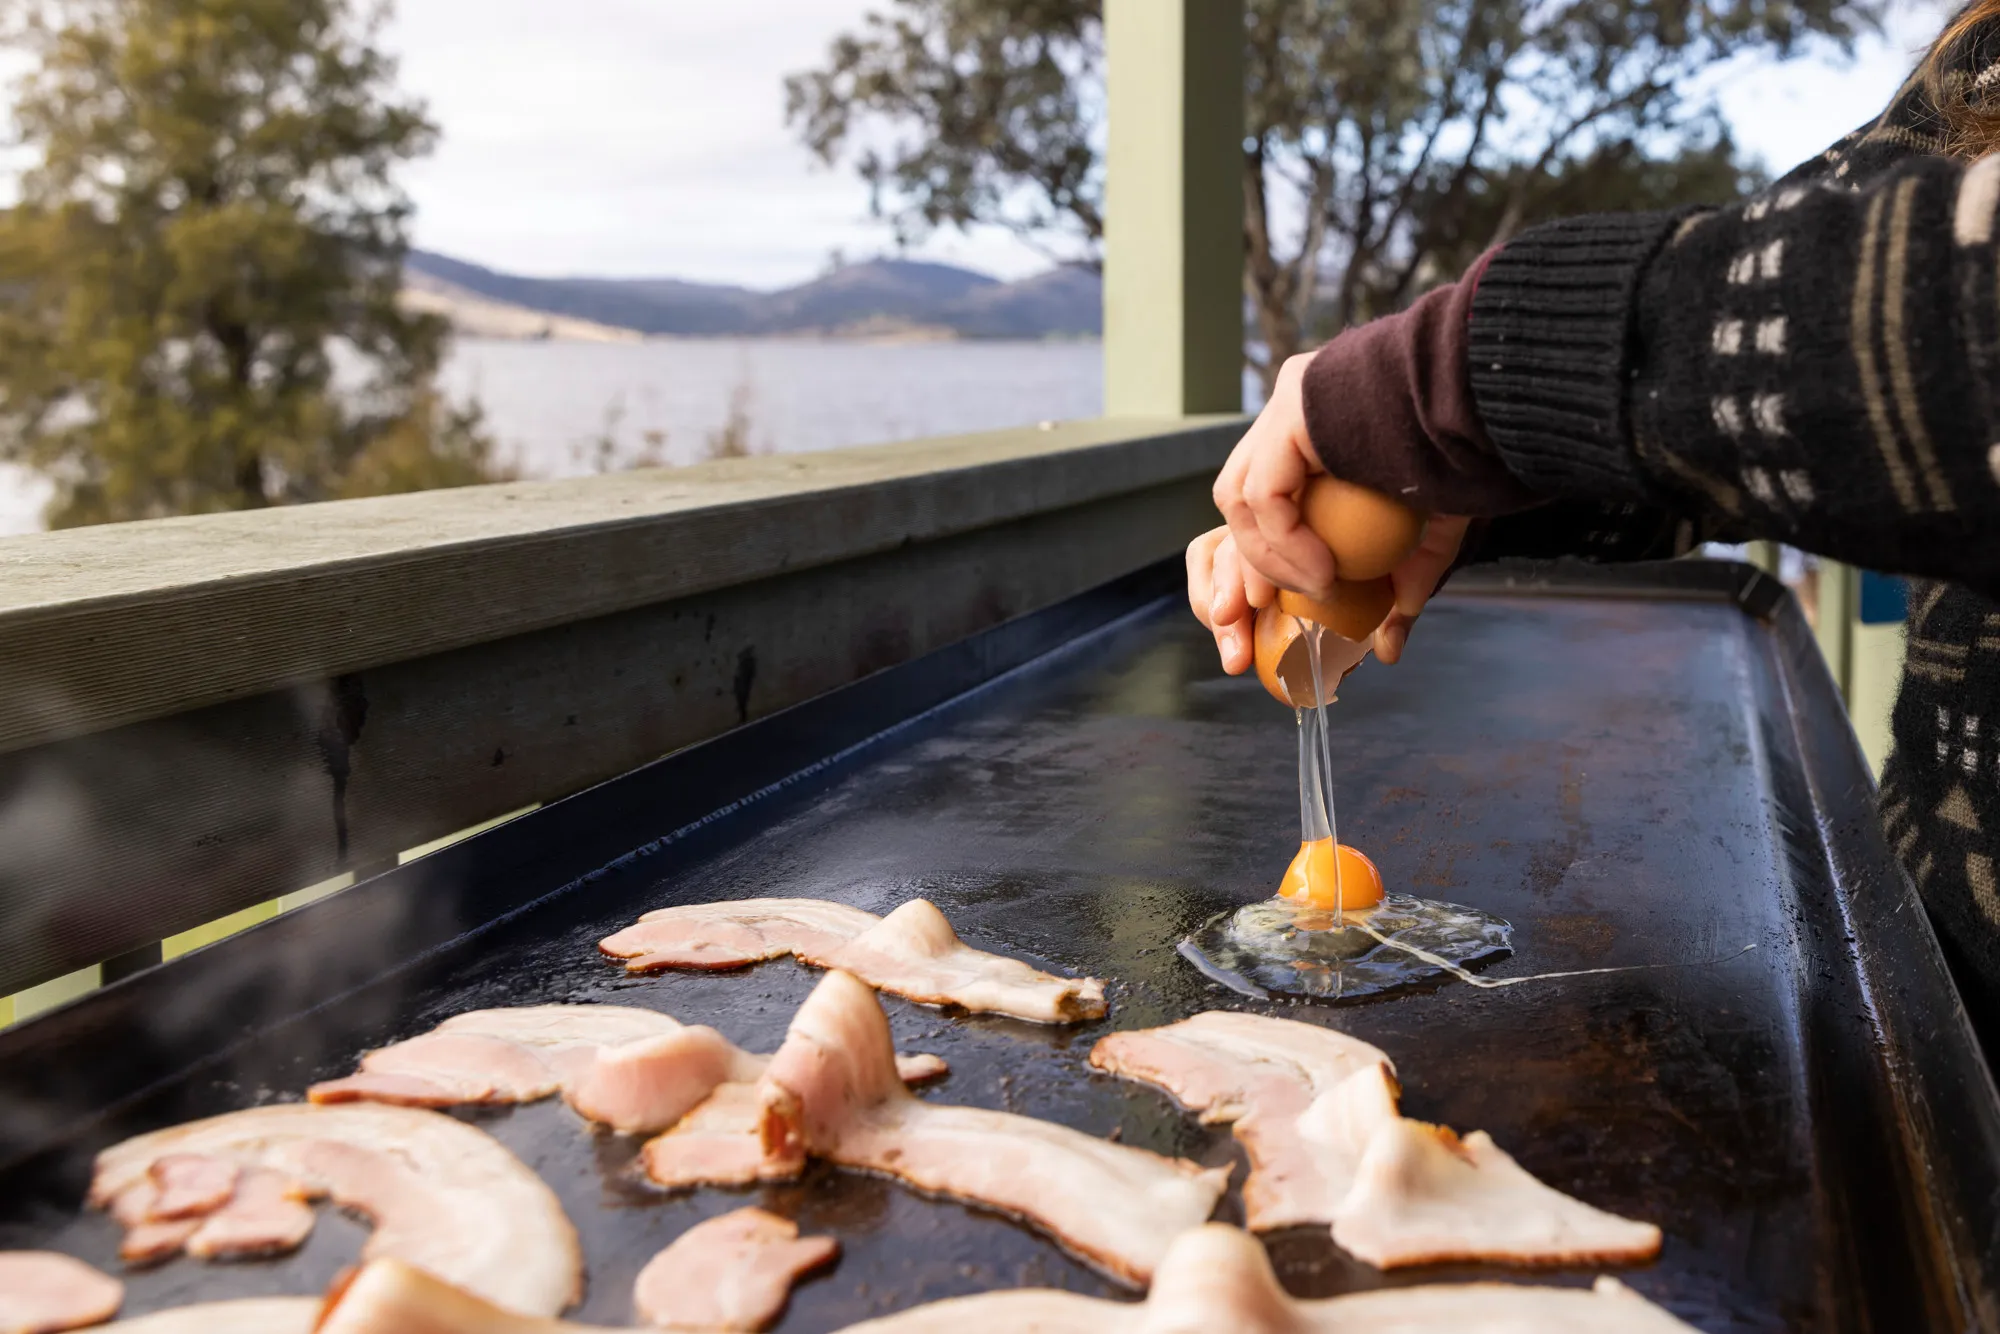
(552, 404)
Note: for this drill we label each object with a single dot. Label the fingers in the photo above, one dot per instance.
(1257, 590)
(1416, 579)
(1225, 595)
(1257, 492)
(1230, 601)
(1275, 538)
(1236, 589)
(1236, 647)
(1231, 616)
(1201, 572)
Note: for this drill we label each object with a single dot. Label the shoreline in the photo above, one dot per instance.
(910, 338)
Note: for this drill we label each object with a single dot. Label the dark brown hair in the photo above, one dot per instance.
(1971, 118)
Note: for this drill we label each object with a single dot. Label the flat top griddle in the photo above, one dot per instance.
(1647, 767)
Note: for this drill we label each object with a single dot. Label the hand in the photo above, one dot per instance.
(1233, 572)
(1226, 595)
(1259, 486)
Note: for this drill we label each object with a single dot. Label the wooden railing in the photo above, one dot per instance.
(199, 714)
(204, 720)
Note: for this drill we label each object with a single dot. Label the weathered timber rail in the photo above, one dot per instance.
(199, 714)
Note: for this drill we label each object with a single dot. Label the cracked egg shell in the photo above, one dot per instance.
(1283, 659)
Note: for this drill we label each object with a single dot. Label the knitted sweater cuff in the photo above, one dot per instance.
(1551, 351)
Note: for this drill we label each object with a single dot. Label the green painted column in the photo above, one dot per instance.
(1866, 656)
(1173, 243)
(1834, 617)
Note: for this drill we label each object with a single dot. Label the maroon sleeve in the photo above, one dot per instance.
(1389, 405)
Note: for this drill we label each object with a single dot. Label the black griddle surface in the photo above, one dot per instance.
(1630, 780)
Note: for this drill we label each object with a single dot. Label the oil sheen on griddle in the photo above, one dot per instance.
(1331, 932)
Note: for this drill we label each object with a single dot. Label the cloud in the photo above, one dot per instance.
(636, 137)
(647, 137)
(1785, 114)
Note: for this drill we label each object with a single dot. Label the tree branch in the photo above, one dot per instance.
(1361, 230)
(1510, 217)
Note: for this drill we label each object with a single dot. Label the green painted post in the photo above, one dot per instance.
(1173, 233)
(1834, 617)
(1874, 672)
(1866, 659)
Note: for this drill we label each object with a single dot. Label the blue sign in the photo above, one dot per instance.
(1885, 599)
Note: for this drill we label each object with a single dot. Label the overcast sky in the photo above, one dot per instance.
(633, 137)
(647, 137)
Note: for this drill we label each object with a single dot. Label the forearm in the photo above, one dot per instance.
(1819, 367)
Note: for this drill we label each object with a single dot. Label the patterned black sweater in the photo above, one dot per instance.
(1818, 366)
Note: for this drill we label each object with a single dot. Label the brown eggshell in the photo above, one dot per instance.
(1352, 613)
(1369, 533)
(1281, 658)
(1284, 661)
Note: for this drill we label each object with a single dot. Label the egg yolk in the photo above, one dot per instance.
(1310, 878)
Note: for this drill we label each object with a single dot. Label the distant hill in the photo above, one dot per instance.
(879, 296)
(482, 317)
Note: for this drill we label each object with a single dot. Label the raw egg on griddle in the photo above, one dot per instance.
(1321, 878)
(1297, 943)
(1332, 931)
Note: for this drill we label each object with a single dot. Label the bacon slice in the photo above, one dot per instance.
(1503, 1308)
(1039, 1310)
(637, 1071)
(268, 1214)
(1316, 1113)
(559, 1028)
(146, 1242)
(645, 1086)
(470, 1067)
(832, 1091)
(443, 1195)
(387, 1296)
(188, 1187)
(920, 1068)
(730, 935)
(1267, 1077)
(45, 1291)
(732, 1273)
(151, 1243)
(719, 1144)
(1217, 1278)
(566, 1037)
(913, 952)
(1423, 1195)
(1212, 1278)
(249, 1315)
(515, 1054)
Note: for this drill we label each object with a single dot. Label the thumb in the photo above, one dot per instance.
(1416, 579)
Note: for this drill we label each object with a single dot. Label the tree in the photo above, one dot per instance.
(991, 103)
(198, 285)
(1388, 141)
